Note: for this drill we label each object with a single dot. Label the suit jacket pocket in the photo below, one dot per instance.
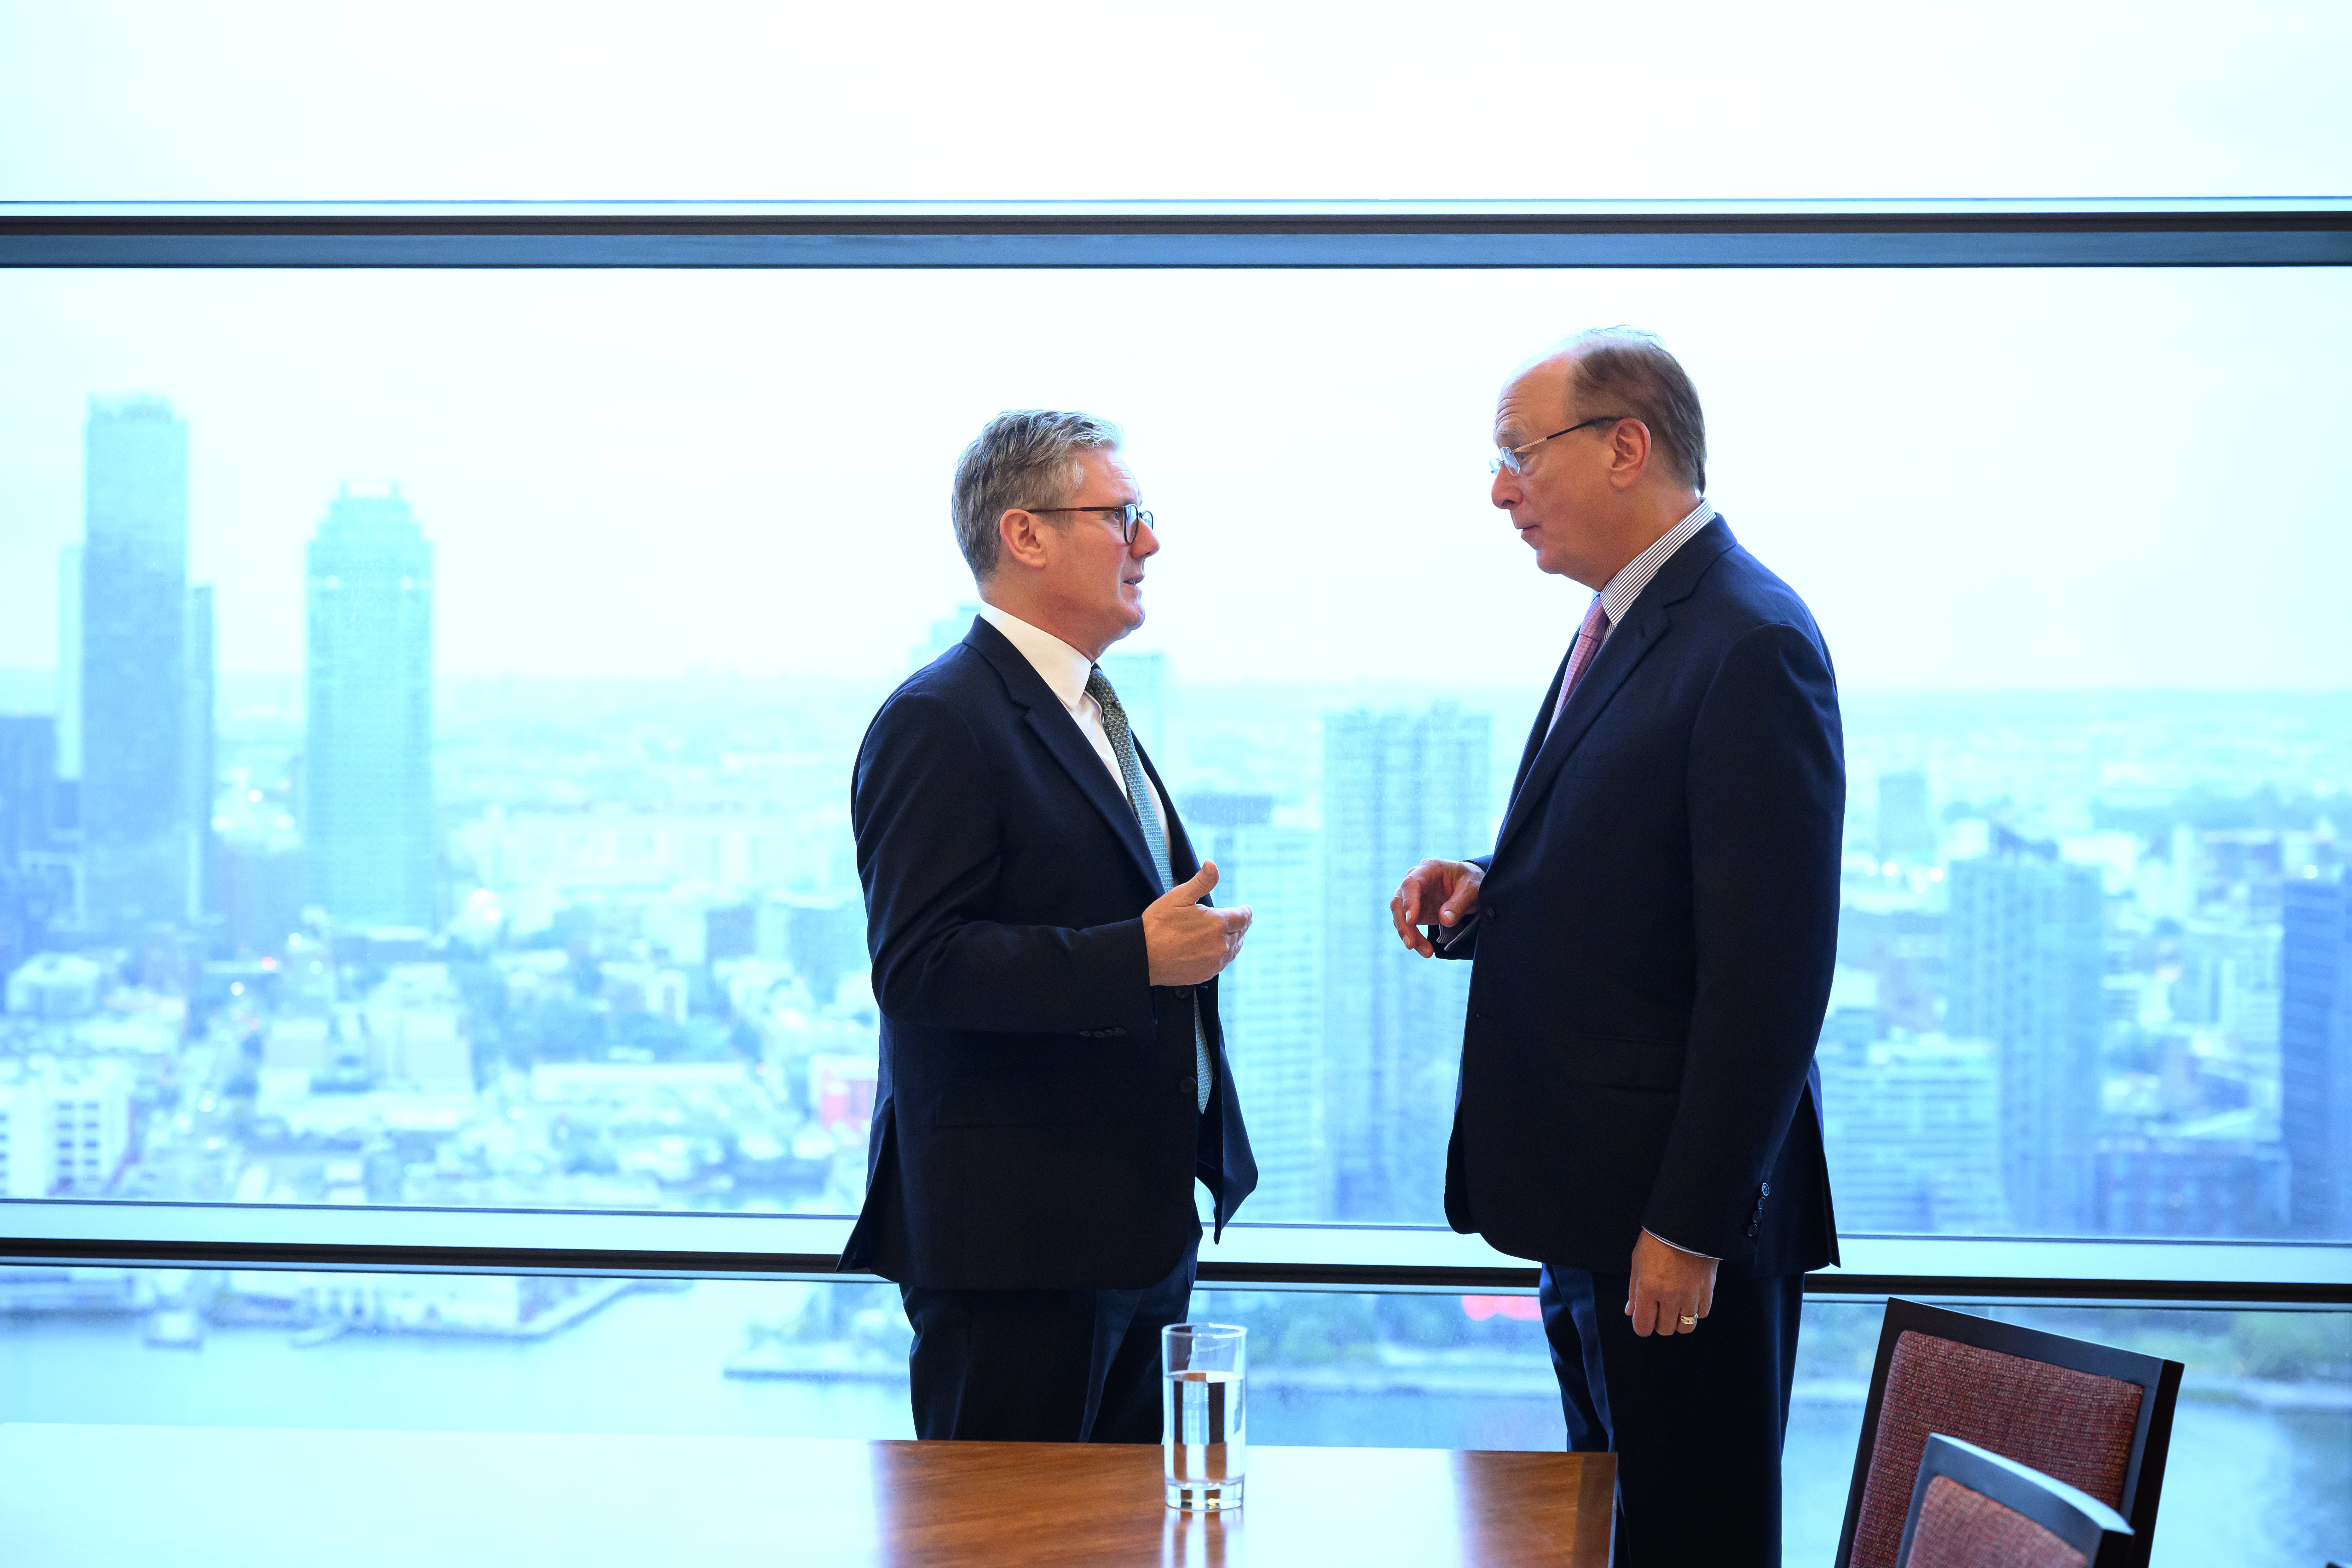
(1026, 1080)
(1617, 1062)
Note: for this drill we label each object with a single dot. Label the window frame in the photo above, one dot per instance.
(2284, 232)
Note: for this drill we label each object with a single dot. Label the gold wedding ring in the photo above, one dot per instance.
(1687, 1320)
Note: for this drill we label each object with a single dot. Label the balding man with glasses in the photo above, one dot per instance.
(1652, 935)
(1046, 958)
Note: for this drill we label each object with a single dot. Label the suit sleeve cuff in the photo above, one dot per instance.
(1678, 1246)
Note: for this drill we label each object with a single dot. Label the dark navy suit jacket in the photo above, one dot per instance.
(1656, 932)
(1036, 1125)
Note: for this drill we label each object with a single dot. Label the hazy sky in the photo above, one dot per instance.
(244, 99)
(1992, 479)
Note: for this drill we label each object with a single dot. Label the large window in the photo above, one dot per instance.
(453, 680)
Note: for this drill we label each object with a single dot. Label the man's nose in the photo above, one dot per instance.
(1147, 544)
(1504, 491)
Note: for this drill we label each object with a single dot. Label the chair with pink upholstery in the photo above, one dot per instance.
(2088, 1415)
(1972, 1508)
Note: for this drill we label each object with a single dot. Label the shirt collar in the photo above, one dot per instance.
(1617, 594)
(1062, 666)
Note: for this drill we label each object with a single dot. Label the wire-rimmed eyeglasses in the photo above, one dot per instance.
(1131, 517)
(1508, 456)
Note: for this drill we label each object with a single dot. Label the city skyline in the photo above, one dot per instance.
(501, 936)
(681, 500)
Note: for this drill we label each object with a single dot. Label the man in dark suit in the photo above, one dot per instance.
(1652, 936)
(1052, 1073)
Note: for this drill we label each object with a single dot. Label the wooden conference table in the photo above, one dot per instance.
(192, 1497)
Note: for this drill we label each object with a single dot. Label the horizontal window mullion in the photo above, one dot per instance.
(1297, 1256)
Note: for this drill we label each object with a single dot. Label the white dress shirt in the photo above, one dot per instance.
(1618, 593)
(1065, 670)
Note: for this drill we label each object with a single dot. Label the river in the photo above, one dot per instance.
(2245, 1485)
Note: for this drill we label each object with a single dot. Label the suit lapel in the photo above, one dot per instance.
(1052, 724)
(1542, 728)
(1627, 646)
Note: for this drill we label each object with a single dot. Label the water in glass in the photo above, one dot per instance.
(1205, 1427)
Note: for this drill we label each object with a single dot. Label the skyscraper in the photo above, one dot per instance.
(2025, 964)
(197, 739)
(2315, 1056)
(134, 663)
(27, 822)
(1271, 1000)
(368, 853)
(69, 651)
(1397, 788)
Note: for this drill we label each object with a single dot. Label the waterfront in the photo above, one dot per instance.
(2246, 1484)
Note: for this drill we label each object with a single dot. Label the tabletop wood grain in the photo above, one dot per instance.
(72, 1496)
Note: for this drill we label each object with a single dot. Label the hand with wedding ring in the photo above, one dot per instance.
(1670, 1289)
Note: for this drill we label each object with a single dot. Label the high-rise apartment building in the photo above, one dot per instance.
(2316, 1054)
(1271, 1000)
(134, 665)
(2025, 967)
(368, 853)
(1398, 788)
(1913, 1135)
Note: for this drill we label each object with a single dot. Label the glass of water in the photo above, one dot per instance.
(1204, 1432)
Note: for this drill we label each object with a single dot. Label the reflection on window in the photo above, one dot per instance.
(481, 838)
(2259, 1474)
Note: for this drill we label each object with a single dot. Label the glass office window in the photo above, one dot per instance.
(2260, 1450)
(436, 694)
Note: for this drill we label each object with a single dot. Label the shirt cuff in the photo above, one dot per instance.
(1653, 1236)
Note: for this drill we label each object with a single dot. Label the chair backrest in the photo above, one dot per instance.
(1973, 1509)
(2093, 1417)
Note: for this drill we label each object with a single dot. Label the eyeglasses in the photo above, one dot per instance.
(1508, 456)
(1131, 516)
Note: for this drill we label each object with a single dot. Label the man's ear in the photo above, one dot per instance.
(1628, 453)
(1018, 535)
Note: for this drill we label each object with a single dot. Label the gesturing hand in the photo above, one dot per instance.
(1435, 892)
(1669, 1286)
(1187, 944)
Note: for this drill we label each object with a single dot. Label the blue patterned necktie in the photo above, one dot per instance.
(1155, 838)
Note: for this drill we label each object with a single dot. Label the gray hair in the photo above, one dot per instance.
(1625, 370)
(1022, 457)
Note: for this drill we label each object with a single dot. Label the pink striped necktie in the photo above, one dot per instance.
(1588, 643)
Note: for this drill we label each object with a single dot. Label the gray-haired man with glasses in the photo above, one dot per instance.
(1652, 933)
(1045, 957)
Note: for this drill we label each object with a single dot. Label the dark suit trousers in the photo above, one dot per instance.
(1043, 1366)
(1695, 1420)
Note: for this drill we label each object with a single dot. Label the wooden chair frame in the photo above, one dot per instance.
(2159, 1381)
(2081, 1521)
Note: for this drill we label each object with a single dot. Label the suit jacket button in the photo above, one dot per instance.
(1192, 1088)
(1751, 1227)
(1766, 1189)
